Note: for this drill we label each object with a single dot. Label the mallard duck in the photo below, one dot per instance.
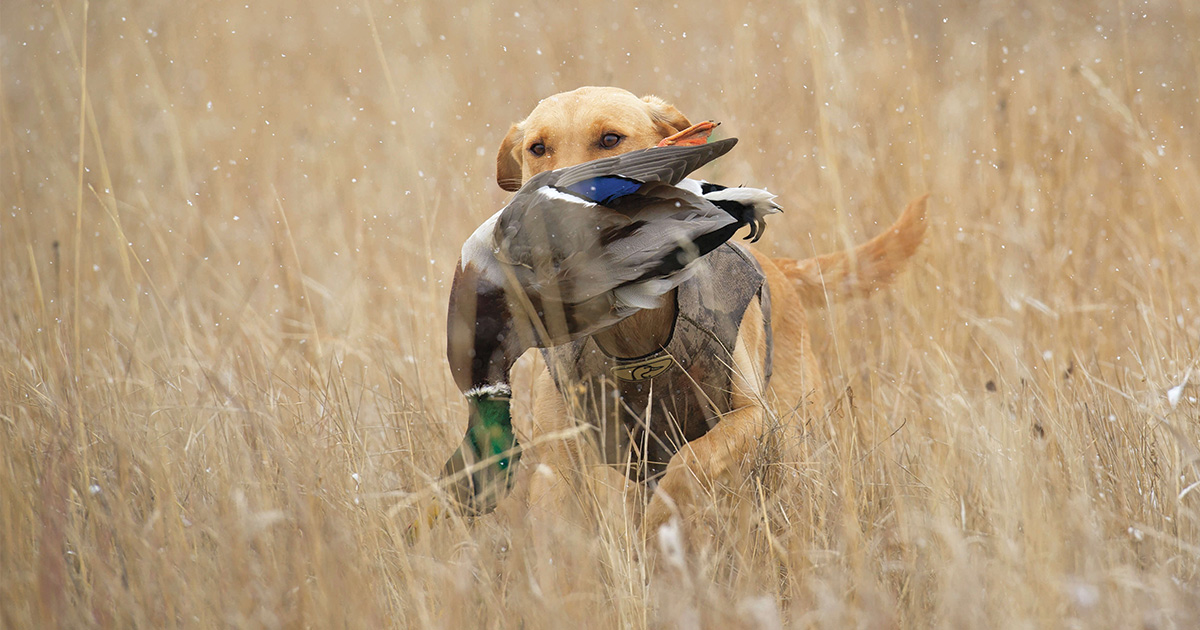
(575, 251)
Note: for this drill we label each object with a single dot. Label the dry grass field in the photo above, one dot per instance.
(226, 239)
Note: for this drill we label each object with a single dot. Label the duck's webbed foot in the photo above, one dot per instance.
(696, 134)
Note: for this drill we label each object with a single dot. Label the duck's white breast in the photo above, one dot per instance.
(478, 252)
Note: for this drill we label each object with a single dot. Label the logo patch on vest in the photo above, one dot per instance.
(643, 370)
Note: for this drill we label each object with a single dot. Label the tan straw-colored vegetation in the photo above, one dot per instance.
(227, 231)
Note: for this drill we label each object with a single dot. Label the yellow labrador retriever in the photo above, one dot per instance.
(773, 377)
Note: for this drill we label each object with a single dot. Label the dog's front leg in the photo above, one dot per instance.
(724, 455)
(722, 458)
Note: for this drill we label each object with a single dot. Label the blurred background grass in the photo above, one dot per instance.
(228, 230)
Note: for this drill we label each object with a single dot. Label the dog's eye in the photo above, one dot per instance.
(538, 149)
(611, 140)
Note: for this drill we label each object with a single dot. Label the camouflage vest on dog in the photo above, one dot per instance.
(680, 391)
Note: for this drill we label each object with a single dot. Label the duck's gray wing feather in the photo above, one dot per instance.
(657, 164)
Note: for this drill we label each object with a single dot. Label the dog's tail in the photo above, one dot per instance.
(862, 270)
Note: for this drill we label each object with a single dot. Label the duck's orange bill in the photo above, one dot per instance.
(694, 135)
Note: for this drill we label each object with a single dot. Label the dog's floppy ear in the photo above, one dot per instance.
(508, 164)
(668, 119)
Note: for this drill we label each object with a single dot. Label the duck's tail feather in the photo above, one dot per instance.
(750, 206)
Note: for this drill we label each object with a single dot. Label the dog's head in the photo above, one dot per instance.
(583, 125)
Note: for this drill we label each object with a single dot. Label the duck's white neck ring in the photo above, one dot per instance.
(497, 390)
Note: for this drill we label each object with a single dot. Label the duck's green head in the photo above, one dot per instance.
(483, 468)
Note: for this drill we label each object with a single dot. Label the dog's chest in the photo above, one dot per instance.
(648, 407)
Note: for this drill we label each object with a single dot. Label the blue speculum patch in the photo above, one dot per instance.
(603, 189)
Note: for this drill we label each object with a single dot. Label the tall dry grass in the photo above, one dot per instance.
(228, 228)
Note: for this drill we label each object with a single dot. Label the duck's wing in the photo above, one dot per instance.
(673, 227)
(609, 178)
(569, 252)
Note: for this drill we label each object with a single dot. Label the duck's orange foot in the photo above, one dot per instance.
(694, 135)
